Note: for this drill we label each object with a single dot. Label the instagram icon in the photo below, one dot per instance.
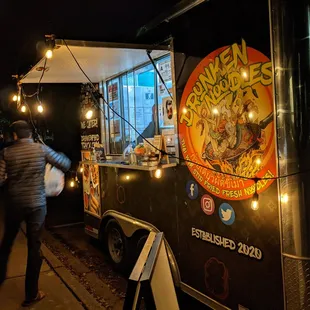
(207, 205)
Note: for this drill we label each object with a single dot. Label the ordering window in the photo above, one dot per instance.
(141, 98)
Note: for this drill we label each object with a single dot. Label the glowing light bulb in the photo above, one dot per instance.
(258, 161)
(284, 198)
(215, 111)
(23, 108)
(254, 203)
(40, 108)
(244, 74)
(15, 98)
(251, 115)
(127, 177)
(158, 173)
(18, 98)
(89, 114)
(49, 54)
(72, 183)
(81, 169)
(184, 111)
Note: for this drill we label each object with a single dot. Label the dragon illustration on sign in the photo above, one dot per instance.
(226, 122)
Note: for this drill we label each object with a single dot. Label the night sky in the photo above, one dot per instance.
(23, 25)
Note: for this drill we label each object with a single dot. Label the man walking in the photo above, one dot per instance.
(22, 165)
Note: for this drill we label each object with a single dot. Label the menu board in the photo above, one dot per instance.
(113, 92)
(90, 128)
(165, 70)
(91, 186)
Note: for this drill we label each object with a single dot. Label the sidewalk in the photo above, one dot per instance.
(58, 296)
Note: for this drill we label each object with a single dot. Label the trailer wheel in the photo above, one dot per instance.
(117, 246)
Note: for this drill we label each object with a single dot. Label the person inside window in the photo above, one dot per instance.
(150, 130)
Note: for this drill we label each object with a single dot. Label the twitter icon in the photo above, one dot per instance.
(227, 214)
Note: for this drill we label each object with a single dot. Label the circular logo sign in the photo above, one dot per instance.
(226, 122)
(207, 204)
(192, 190)
(227, 214)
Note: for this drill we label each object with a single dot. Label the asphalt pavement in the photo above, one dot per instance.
(73, 247)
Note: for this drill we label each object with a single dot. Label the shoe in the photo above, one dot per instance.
(28, 303)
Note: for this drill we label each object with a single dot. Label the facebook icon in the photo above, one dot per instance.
(192, 190)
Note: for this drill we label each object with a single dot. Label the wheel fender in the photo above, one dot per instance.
(130, 225)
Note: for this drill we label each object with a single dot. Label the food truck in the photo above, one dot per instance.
(203, 137)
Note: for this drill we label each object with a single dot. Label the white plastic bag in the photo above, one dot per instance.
(54, 181)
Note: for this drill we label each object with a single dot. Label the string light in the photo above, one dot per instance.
(72, 183)
(89, 114)
(284, 198)
(158, 173)
(81, 169)
(258, 161)
(244, 74)
(127, 177)
(184, 111)
(50, 44)
(23, 108)
(254, 204)
(16, 98)
(215, 111)
(251, 115)
(40, 108)
(49, 54)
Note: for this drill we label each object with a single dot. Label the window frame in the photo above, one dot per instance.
(107, 134)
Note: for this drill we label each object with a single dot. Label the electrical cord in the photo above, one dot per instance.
(30, 96)
(39, 84)
(158, 73)
(255, 179)
(37, 93)
(30, 113)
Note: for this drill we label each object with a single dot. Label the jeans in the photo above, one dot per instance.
(34, 218)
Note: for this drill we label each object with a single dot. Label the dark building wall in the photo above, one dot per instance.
(61, 116)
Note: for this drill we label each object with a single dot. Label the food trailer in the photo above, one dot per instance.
(222, 170)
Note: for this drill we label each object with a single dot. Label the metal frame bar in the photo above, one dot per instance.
(276, 147)
(176, 11)
(81, 43)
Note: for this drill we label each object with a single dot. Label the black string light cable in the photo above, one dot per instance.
(30, 96)
(255, 179)
(37, 93)
(74, 181)
(32, 122)
(158, 73)
(41, 78)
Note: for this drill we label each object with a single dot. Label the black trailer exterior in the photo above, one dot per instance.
(211, 260)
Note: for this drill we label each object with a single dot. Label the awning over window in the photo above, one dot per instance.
(100, 61)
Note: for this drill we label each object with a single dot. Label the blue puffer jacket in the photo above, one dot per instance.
(23, 165)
